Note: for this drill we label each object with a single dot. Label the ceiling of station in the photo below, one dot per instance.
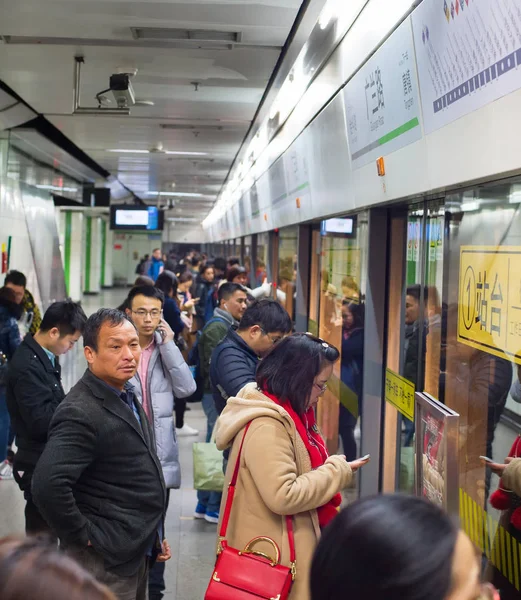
(210, 119)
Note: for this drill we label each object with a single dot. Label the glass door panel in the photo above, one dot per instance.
(341, 324)
(480, 379)
(287, 268)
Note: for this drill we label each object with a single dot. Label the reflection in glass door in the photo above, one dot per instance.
(414, 345)
(338, 269)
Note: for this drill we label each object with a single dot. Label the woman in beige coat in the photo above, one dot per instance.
(285, 468)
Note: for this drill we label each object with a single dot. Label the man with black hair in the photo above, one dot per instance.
(233, 300)
(34, 391)
(234, 361)
(99, 482)
(219, 265)
(17, 281)
(162, 374)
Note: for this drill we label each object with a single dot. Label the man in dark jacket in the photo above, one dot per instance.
(99, 483)
(232, 299)
(18, 283)
(34, 391)
(235, 359)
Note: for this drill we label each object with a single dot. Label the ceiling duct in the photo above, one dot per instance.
(186, 35)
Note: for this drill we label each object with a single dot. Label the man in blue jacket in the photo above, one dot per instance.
(157, 266)
(232, 304)
(235, 359)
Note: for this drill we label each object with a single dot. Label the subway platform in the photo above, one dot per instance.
(192, 541)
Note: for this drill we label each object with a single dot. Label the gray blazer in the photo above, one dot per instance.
(168, 376)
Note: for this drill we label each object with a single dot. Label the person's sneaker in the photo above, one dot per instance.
(186, 431)
(6, 471)
(212, 517)
(200, 511)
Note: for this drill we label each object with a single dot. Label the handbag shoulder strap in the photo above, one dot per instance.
(229, 503)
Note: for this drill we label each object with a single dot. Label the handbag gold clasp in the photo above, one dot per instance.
(215, 577)
(220, 545)
(277, 598)
(273, 561)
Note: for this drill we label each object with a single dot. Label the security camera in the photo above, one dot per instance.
(122, 90)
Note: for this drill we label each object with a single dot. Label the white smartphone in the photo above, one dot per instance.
(366, 457)
(487, 459)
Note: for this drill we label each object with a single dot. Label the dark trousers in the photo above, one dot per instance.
(124, 588)
(346, 428)
(34, 522)
(156, 576)
(179, 411)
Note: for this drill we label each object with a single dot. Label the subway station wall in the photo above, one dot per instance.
(29, 233)
(437, 129)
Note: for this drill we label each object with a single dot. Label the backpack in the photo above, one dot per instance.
(194, 362)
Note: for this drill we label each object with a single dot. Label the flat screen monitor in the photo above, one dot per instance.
(136, 218)
(345, 226)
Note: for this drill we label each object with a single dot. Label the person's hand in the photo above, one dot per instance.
(358, 464)
(166, 332)
(165, 554)
(188, 305)
(497, 468)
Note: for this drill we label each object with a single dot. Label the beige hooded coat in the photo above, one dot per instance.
(275, 479)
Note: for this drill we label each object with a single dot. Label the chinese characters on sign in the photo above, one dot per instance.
(374, 97)
(489, 311)
(400, 393)
(382, 101)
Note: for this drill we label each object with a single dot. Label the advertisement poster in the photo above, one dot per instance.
(382, 101)
(468, 53)
(433, 478)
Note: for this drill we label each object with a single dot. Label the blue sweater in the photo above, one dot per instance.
(156, 266)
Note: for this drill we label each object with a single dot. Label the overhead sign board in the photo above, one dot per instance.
(468, 54)
(489, 309)
(382, 101)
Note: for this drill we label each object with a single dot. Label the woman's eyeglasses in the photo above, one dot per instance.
(322, 388)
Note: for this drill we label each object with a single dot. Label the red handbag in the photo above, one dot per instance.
(249, 574)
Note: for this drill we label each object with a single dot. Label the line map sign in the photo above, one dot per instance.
(489, 311)
(468, 54)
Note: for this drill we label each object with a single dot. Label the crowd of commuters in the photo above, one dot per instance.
(96, 466)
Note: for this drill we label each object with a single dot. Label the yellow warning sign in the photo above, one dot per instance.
(489, 309)
(400, 393)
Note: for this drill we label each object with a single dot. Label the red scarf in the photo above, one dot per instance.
(308, 431)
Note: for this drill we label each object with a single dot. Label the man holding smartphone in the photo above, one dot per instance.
(162, 374)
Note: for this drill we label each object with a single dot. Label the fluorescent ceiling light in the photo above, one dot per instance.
(183, 219)
(123, 151)
(176, 152)
(470, 206)
(186, 153)
(185, 194)
(55, 188)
